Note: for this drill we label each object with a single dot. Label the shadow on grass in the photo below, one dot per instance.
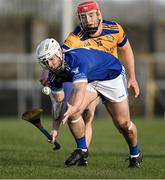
(154, 156)
(102, 153)
(29, 163)
(145, 155)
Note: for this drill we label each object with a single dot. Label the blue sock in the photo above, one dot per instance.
(81, 143)
(134, 150)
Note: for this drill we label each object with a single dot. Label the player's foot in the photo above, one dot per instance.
(83, 162)
(135, 161)
(76, 157)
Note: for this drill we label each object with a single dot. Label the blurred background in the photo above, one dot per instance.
(24, 23)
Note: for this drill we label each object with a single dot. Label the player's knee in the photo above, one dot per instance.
(74, 117)
(88, 115)
(73, 121)
(125, 126)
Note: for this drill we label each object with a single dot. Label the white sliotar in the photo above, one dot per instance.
(46, 90)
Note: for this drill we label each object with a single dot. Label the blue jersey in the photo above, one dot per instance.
(85, 65)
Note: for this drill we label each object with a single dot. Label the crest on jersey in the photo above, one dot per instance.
(110, 38)
(75, 70)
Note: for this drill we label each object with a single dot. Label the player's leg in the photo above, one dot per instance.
(88, 116)
(121, 118)
(115, 95)
(77, 127)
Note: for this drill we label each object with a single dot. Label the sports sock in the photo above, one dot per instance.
(81, 143)
(134, 151)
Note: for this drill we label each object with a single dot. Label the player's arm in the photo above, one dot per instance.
(57, 98)
(74, 103)
(57, 111)
(127, 57)
(77, 95)
(80, 81)
(129, 64)
(75, 100)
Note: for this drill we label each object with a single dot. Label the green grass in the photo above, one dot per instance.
(24, 152)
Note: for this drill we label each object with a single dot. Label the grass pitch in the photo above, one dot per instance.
(25, 154)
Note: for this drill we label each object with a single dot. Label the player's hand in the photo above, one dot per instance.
(134, 84)
(54, 135)
(67, 113)
(44, 82)
(44, 77)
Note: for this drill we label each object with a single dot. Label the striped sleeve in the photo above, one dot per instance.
(122, 37)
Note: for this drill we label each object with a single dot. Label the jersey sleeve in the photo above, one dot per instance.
(122, 37)
(79, 73)
(71, 42)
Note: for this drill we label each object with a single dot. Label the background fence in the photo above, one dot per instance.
(22, 90)
(25, 23)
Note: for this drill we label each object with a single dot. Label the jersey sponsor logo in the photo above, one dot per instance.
(111, 49)
(87, 44)
(99, 43)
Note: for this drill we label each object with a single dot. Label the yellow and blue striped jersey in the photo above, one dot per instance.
(112, 36)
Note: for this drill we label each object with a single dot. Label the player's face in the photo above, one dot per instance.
(55, 64)
(90, 21)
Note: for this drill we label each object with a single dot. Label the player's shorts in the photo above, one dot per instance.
(113, 90)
